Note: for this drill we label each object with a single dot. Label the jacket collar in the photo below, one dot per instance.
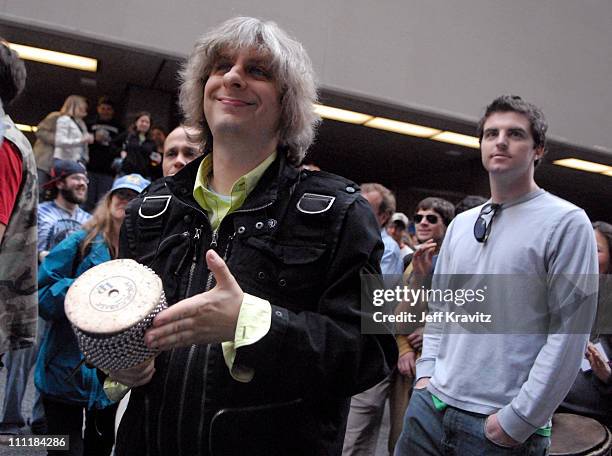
(279, 175)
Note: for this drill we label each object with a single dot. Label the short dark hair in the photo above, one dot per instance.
(12, 74)
(106, 100)
(606, 230)
(514, 103)
(469, 202)
(441, 206)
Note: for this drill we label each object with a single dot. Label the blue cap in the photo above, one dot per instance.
(132, 181)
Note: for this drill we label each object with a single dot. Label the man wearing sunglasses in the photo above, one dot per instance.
(494, 392)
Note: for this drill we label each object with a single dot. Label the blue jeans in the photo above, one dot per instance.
(18, 364)
(428, 431)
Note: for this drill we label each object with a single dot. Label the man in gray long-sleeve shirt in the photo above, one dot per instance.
(494, 392)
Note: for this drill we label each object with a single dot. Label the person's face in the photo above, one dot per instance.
(426, 230)
(603, 253)
(396, 231)
(507, 145)
(241, 96)
(158, 136)
(80, 110)
(74, 188)
(105, 112)
(143, 123)
(375, 200)
(119, 200)
(178, 151)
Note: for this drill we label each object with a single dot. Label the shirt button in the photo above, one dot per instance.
(350, 189)
(241, 229)
(282, 282)
(278, 313)
(259, 225)
(187, 219)
(261, 275)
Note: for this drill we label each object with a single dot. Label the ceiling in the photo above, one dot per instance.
(412, 167)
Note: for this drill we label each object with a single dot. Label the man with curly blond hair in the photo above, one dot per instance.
(261, 349)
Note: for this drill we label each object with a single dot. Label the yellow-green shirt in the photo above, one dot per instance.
(255, 315)
(218, 206)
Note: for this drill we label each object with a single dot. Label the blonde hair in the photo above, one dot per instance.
(71, 104)
(290, 66)
(101, 222)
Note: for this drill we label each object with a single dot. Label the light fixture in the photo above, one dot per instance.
(583, 165)
(26, 128)
(55, 58)
(458, 139)
(341, 115)
(403, 128)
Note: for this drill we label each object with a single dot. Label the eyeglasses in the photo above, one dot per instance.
(125, 194)
(431, 218)
(484, 222)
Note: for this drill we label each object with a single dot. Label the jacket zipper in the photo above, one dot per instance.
(213, 244)
(182, 401)
(209, 280)
(270, 203)
(165, 241)
(161, 407)
(203, 402)
(194, 260)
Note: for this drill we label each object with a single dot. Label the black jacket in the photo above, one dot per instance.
(138, 158)
(301, 241)
(103, 151)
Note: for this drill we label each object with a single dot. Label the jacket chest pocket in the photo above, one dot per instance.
(292, 274)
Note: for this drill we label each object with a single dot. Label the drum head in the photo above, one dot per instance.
(576, 435)
(112, 297)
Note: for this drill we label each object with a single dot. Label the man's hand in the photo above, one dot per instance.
(208, 317)
(406, 364)
(422, 383)
(496, 434)
(422, 259)
(415, 339)
(135, 376)
(600, 368)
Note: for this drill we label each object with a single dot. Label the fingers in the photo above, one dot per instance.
(217, 266)
(413, 337)
(172, 334)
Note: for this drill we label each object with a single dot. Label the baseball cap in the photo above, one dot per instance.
(400, 217)
(62, 169)
(131, 181)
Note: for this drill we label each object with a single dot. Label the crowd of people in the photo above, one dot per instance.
(261, 350)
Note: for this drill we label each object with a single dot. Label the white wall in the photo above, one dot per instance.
(447, 56)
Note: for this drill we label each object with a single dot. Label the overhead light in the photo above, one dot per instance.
(396, 126)
(341, 115)
(26, 128)
(401, 127)
(55, 58)
(458, 139)
(583, 165)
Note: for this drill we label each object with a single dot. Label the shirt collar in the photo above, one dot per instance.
(217, 205)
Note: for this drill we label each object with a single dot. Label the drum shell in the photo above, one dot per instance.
(575, 435)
